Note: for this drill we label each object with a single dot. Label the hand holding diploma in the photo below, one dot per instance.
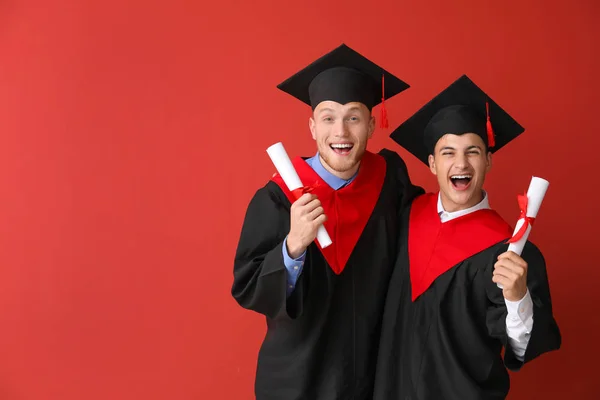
(306, 214)
(529, 205)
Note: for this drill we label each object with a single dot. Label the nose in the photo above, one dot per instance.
(340, 129)
(461, 161)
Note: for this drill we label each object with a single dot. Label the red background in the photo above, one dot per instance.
(133, 134)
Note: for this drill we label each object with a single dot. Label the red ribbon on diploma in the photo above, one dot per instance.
(300, 191)
(297, 193)
(522, 199)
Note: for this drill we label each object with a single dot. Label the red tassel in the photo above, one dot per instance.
(383, 120)
(488, 125)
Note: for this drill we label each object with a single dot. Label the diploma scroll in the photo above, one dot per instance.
(535, 195)
(285, 168)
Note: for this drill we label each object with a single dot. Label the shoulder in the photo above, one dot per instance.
(395, 165)
(532, 254)
(268, 195)
(392, 158)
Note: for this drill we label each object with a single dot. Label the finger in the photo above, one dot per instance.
(509, 264)
(507, 282)
(304, 209)
(514, 257)
(304, 199)
(311, 216)
(504, 281)
(307, 209)
(507, 273)
(320, 220)
(507, 255)
(312, 205)
(515, 278)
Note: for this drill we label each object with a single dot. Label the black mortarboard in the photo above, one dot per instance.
(343, 76)
(461, 108)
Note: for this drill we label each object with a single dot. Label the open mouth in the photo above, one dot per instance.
(461, 182)
(341, 148)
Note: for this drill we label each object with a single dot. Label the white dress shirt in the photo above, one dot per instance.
(519, 321)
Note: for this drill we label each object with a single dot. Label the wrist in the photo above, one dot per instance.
(514, 296)
(294, 247)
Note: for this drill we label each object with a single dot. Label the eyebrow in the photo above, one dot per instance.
(331, 110)
(322, 110)
(453, 149)
(447, 148)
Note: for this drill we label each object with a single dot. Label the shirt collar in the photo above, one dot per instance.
(447, 216)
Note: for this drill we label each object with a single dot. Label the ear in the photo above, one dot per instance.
(431, 160)
(311, 126)
(488, 162)
(371, 126)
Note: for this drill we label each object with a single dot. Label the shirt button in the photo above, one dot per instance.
(295, 267)
(291, 286)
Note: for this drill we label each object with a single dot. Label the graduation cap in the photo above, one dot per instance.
(461, 108)
(344, 76)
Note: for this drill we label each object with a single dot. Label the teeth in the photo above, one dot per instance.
(461, 176)
(342, 146)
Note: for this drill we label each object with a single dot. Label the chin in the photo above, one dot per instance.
(340, 163)
(342, 166)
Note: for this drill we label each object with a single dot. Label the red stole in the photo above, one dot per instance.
(348, 209)
(434, 248)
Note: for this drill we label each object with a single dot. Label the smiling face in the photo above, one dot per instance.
(460, 163)
(341, 133)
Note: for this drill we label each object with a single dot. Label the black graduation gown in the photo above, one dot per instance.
(448, 343)
(321, 342)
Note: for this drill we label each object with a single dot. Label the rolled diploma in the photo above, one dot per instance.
(284, 166)
(535, 195)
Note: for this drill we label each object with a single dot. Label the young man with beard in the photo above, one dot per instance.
(446, 321)
(323, 307)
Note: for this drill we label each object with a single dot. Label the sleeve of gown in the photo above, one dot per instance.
(259, 272)
(545, 335)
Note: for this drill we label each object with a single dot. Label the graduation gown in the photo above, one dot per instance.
(321, 341)
(444, 328)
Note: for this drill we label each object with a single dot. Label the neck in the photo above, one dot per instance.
(342, 175)
(449, 206)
